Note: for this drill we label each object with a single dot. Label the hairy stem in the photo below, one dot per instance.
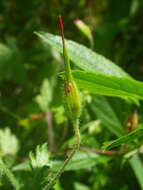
(61, 170)
(77, 133)
(73, 104)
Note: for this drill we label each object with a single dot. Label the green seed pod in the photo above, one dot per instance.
(72, 100)
(72, 96)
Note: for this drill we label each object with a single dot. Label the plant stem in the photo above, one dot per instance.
(61, 170)
(77, 133)
(48, 118)
(10, 175)
(73, 104)
(102, 152)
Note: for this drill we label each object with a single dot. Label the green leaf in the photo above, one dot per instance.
(24, 166)
(79, 161)
(85, 30)
(40, 164)
(107, 78)
(9, 175)
(83, 57)
(137, 167)
(59, 114)
(11, 62)
(80, 186)
(5, 61)
(107, 115)
(104, 111)
(8, 142)
(125, 138)
(40, 158)
(109, 85)
(45, 97)
(101, 76)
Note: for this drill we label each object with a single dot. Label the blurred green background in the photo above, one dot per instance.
(31, 105)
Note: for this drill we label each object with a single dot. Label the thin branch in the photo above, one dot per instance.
(61, 170)
(104, 152)
(48, 118)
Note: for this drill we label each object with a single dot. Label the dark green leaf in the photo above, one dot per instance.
(125, 138)
(83, 57)
(104, 111)
(137, 167)
(108, 85)
(80, 160)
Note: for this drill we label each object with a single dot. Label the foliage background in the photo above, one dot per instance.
(31, 106)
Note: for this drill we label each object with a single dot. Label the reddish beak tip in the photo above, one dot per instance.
(61, 27)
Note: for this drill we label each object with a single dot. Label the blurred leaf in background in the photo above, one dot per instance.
(9, 144)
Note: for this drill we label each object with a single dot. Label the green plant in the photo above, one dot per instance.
(73, 106)
(99, 76)
(36, 131)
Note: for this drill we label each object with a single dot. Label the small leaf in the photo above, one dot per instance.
(40, 158)
(85, 30)
(59, 114)
(45, 97)
(8, 142)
